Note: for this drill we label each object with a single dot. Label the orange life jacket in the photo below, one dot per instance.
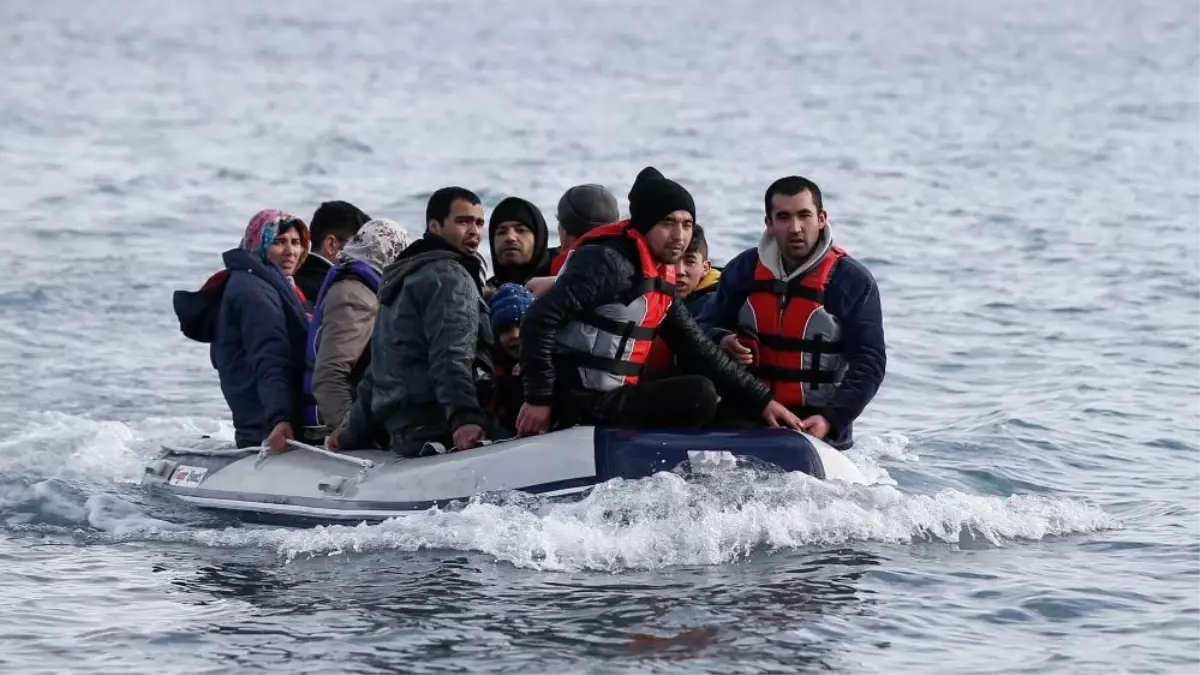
(796, 343)
(610, 344)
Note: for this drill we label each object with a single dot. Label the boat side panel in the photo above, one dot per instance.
(623, 453)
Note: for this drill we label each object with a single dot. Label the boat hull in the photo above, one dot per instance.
(303, 487)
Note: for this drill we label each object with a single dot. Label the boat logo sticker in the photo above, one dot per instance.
(188, 476)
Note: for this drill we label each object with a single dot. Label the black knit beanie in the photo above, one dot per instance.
(653, 196)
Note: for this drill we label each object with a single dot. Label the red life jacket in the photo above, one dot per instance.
(797, 344)
(610, 344)
(560, 259)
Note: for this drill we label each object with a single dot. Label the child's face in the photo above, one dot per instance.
(692, 268)
(510, 340)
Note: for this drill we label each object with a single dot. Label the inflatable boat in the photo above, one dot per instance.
(307, 485)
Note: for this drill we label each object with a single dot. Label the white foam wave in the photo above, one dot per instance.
(666, 520)
(72, 447)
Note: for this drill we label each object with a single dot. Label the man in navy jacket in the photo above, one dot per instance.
(803, 315)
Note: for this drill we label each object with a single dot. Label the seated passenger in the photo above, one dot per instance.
(585, 341)
(517, 235)
(333, 223)
(431, 349)
(803, 315)
(253, 316)
(509, 305)
(581, 209)
(337, 354)
(697, 280)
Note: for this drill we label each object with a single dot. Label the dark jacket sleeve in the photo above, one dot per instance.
(263, 326)
(596, 275)
(720, 314)
(703, 356)
(853, 297)
(451, 316)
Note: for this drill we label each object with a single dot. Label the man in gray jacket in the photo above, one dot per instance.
(431, 347)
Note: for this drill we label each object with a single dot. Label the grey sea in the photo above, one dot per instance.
(1022, 178)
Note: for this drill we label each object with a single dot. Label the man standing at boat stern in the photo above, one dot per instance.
(803, 315)
(431, 348)
(585, 342)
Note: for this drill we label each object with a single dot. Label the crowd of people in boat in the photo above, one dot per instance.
(348, 331)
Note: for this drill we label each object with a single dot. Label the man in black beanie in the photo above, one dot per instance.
(581, 209)
(585, 342)
(332, 225)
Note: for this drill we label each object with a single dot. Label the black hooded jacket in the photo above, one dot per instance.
(599, 273)
(522, 211)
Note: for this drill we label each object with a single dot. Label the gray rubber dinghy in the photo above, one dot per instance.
(308, 485)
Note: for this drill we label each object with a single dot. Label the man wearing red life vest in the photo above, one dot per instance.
(585, 341)
(803, 315)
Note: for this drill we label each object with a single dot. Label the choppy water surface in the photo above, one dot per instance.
(1022, 178)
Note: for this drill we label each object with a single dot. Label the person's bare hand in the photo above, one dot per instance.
(737, 351)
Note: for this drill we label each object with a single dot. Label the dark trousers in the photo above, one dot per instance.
(686, 401)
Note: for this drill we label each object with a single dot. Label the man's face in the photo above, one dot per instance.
(510, 340)
(692, 268)
(513, 243)
(331, 246)
(795, 223)
(669, 237)
(463, 228)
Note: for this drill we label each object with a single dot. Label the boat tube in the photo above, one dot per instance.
(309, 485)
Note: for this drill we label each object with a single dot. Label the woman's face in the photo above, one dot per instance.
(286, 250)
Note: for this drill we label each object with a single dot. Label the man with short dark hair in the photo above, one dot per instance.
(332, 225)
(431, 349)
(803, 315)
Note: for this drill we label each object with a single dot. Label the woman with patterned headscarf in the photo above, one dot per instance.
(338, 350)
(253, 315)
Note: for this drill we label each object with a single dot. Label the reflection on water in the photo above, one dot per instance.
(770, 609)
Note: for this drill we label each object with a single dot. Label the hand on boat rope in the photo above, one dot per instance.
(279, 437)
(777, 415)
(533, 419)
(815, 425)
(467, 436)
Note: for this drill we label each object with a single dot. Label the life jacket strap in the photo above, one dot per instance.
(624, 329)
(783, 343)
(792, 289)
(614, 366)
(802, 375)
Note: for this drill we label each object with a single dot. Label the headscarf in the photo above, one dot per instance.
(268, 224)
(378, 243)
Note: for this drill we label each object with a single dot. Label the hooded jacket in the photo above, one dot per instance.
(851, 296)
(431, 340)
(345, 318)
(256, 326)
(522, 211)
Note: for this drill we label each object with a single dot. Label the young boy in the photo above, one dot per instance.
(696, 279)
(509, 304)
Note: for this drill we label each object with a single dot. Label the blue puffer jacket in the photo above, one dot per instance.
(257, 328)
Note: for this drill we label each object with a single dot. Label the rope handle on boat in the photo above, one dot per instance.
(297, 445)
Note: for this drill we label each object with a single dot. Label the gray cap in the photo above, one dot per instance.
(584, 207)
